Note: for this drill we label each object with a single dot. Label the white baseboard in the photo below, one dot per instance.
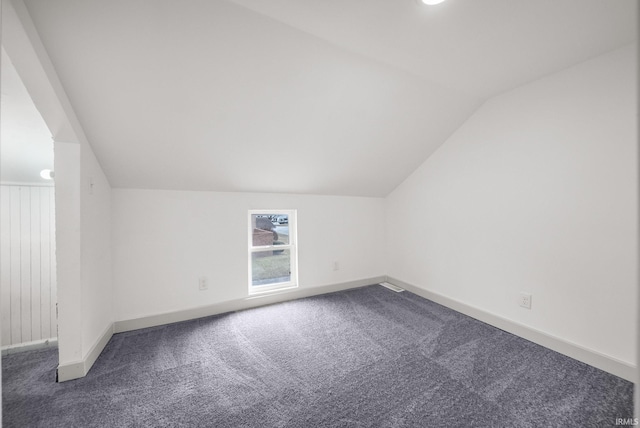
(237, 305)
(30, 346)
(78, 369)
(565, 347)
(70, 371)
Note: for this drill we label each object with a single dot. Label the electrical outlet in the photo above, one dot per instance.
(203, 284)
(336, 265)
(525, 300)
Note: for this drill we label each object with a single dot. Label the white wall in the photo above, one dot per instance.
(28, 263)
(536, 192)
(97, 287)
(68, 251)
(85, 294)
(163, 241)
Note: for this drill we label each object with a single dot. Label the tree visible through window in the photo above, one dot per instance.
(272, 250)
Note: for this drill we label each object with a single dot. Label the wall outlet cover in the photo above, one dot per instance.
(525, 300)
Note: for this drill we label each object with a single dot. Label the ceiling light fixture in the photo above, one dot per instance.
(47, 174)
(431, 2)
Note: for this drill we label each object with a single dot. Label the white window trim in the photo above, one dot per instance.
(292, 246)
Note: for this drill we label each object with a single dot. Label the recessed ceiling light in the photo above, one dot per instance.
(47, 174)
(431, 2)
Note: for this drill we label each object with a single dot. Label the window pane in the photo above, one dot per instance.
(270, 267)
(270, 229)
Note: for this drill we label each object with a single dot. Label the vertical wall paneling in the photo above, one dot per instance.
(15, 251)
(5, 264)
(36, 266)
(45, 266)
(28, 284)
(53, 324)
(25, 263)
(52, 278)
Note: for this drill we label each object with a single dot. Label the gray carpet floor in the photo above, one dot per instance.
(367, 357)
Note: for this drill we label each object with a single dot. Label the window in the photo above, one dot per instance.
(273, 256)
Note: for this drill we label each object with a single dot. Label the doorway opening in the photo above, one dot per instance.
(27, 220)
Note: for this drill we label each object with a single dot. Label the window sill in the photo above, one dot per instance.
(272, 291)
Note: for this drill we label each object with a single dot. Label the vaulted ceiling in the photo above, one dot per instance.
(342, 97)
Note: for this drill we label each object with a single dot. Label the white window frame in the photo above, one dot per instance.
(292, 246)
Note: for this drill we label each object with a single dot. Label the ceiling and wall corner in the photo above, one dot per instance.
(299, 96)
(22, 43)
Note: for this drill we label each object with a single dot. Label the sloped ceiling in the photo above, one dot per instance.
(26, 147)
(326, 97)
(480, 47)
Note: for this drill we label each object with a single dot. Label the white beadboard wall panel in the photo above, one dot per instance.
(35, 283)
(53, 294)
(5, 263)
(25, 263)
(28, 282)
(14, 291)
(47, 300)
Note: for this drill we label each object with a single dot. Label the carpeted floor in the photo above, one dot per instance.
(367, 357)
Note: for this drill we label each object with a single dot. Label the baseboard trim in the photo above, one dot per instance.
(238, 305)
(97, 348)
(30, 346)
(70, 371)
(78, 369)
(563, 346)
